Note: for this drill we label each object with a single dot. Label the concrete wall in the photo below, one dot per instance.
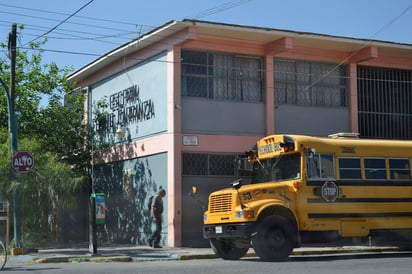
(137, 100)
(221, 117)
(319, 121)
(127, 186)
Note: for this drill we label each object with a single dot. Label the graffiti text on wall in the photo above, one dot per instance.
(126, 108)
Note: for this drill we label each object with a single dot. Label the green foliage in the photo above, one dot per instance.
(48, 127)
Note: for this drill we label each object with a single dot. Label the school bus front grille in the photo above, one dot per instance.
(220, 203)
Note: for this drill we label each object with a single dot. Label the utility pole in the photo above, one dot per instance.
(16, 205)
(12, 53)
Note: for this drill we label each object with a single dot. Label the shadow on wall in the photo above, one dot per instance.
(127, 189)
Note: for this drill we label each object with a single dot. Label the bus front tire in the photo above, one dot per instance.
(274, 239)
(227, 250)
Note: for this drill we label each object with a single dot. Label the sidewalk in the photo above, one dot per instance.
(129, 253)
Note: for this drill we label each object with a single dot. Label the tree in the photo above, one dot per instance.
(51, 130)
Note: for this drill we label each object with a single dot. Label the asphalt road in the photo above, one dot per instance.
(364, 264)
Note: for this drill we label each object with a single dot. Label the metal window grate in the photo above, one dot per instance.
(385, 102)
(209, 164)
(309, 83)
(222, 76)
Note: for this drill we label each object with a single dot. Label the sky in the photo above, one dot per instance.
(80, 31)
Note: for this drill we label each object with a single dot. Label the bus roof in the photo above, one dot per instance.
(339, 144)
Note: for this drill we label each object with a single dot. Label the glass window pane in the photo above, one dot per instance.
(350, 174)
(194, 86)
(194, 62)
(349, 163)
(327, 166)
(221, 76)
(400, 169)
(312, 83)
(349, 168)
(375, 168)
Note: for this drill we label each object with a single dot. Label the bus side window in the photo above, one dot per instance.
(400, 169)
(327, 166)
(350, 168)
(320, 166)
(312, 164)
(375, 168)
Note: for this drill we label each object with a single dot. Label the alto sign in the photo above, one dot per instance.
(23, 161)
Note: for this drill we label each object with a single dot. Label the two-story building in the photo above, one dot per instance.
(174, 107)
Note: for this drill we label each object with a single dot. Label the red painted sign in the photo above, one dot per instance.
(23, 161)
(330, 191)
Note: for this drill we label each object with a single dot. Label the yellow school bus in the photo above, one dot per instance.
(306, 188)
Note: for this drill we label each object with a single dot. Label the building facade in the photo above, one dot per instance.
(190, 96)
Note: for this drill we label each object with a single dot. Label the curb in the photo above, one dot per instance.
(196, 257)
(182, 257)
(345, 251)
(82, 259)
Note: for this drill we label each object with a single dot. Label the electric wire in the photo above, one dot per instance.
(219, 8)
(66, 14)
(62, 22)
(216, 9)
(404, 11)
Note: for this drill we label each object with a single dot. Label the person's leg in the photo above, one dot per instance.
(157, 233)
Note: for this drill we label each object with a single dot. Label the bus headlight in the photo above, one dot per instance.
(205, 217)
(245, 214)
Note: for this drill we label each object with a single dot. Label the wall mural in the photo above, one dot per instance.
(124, 109)
(127, 187)
(134, 101)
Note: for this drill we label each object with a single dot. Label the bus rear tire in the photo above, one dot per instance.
(274, 239)
(227, 249)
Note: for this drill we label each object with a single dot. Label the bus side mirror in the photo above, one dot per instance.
(192, 194)
(237, 184)
(310, 152)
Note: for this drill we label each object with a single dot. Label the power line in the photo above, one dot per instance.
(76, 16)
(207, 12)
(97, 38)
(217, 9)
(62, 22)
(54, 20)
(360, 48)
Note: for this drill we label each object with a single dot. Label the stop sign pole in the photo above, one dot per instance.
(13, 143)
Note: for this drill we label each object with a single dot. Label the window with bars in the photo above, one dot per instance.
(221, 76)
(310, 83)
(385, 103)
(205, 164)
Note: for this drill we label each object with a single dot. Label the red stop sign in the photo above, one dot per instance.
(330, 191)
(23, 161)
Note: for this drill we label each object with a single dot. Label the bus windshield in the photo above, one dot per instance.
(281, 168)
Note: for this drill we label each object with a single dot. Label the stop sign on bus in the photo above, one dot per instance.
(330, 191)
(23, 161)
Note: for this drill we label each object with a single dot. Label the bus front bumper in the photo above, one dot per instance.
(233, 230)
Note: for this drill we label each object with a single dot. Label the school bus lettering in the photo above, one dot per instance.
(270, 148)
(313, 189)
(348, 150)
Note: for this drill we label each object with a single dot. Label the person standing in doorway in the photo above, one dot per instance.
(156, 214)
